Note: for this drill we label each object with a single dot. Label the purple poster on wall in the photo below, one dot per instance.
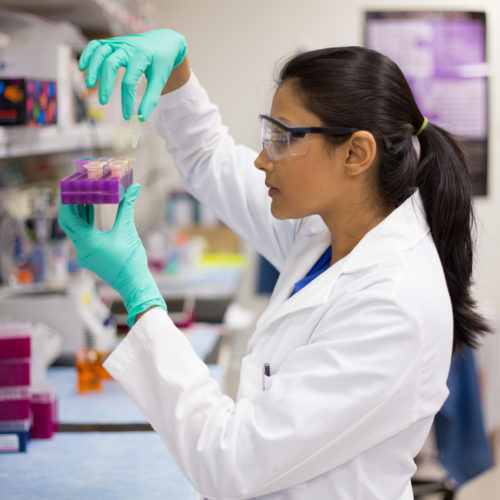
(443, 56)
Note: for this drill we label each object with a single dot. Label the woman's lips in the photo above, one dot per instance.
(272, 190)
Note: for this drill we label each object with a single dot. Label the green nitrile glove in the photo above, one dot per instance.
(117, 256)
(154, 53)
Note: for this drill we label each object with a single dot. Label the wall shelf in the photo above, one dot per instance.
(116, 17)
(21, 140)
(104, 17)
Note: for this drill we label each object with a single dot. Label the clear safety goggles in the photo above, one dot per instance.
(281, 141)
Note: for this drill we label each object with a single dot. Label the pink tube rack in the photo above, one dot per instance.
(44, 411)
(15, 342)
(14, 372)
(15, 403)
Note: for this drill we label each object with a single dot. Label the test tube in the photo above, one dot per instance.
(134, 129)
(118, 168)
(128, 160)
(80, 163)
(95, 169)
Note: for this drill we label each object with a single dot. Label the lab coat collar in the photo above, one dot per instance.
(400, 230)
(306, 252)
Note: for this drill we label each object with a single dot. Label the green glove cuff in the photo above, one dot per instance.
(137, 286)
(181, 53)
(144, 306)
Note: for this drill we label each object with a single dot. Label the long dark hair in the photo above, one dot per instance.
(360, 88)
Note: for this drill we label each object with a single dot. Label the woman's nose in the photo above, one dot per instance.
(262, 162)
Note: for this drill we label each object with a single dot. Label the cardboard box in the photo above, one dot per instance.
(220, 239)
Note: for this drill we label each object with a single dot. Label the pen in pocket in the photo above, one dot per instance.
(266, 372)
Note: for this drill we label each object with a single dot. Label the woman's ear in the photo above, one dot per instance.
(361, 152)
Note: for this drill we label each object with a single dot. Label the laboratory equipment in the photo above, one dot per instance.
(21, 400)
(14, 403)
(14, 435)
(117, 257)
(99, 339)
(43, 406)
(282, 141)
(95, 169)
(15, 372)
(89, 370)
(76, 313)
(15, 341)
(134, 129)
(15, 351)
(99, 181)
(56, 308)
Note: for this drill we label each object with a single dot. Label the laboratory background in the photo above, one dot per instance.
(67, 430)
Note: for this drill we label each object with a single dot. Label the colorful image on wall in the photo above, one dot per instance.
(443, 56)
(27, 102)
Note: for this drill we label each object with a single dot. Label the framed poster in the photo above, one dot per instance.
(443, 56)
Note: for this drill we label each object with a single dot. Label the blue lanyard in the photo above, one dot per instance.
(322, 264)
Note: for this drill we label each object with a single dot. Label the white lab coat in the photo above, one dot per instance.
(358, 358)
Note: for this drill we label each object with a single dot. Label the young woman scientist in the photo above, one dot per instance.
(348, 364)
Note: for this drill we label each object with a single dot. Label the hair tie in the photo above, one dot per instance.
(421, 129)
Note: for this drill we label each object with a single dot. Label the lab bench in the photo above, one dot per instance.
(103, 465)
(104, 449)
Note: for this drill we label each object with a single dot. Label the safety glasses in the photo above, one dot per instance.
(281, 141)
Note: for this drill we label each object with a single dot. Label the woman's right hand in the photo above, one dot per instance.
(154, 53)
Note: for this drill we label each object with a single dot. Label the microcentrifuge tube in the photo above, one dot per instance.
(134, 129)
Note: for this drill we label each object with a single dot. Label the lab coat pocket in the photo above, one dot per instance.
(253, 379)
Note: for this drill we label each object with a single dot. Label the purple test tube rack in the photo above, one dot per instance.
(78, 189)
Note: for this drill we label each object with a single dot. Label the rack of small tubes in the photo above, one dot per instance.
(97, 181)
(27, 410)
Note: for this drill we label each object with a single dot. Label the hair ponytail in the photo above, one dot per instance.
(446, 190)
(361, 88)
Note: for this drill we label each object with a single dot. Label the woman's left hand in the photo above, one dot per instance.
(117, 256)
